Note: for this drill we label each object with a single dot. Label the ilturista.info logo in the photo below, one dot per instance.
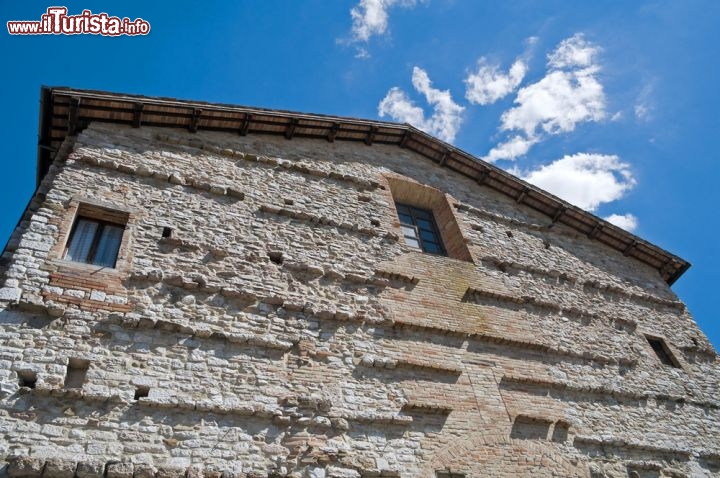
(56, 21)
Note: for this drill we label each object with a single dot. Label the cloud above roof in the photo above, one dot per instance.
(583, 179)
(623, 221)
(446, 118)
(569, 94)
(488, 84)
(371, 17)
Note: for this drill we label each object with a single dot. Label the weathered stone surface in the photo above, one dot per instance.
(90, 469)
(24, 466)
(120, 470)
(284, 328)
(57, 468)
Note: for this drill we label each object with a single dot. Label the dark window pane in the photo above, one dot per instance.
(421, 213)
(424, 224)
(428, 236)
(419, 229)
(432, 248)
(405, 218)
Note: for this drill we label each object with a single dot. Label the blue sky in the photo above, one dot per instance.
(608, 104)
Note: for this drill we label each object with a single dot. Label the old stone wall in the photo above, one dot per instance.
(265, 318)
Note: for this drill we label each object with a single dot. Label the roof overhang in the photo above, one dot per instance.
(66, 111)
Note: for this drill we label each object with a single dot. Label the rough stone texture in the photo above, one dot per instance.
(285, 329)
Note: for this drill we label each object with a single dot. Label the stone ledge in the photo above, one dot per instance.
(143, 171)
(601, 287)
(525, 345)
(86, 304)
(391, 363)
(620, 443)
(198, 283)
(397, 276)
(36, 467)
(426, 408)
(379, 418)
(277, 163)
(380, 474)
(255, 340)
(325, 221)
(605, 391)
(498, 218)
(481, 297)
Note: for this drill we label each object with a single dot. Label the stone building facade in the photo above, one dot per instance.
(270, 310)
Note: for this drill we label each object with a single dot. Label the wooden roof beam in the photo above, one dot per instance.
(522, 195)
(291, 128)
(333, 132)
(405, 138)
(194, 119)
(630, 247)
(245, 125)
(595, 231)
(72, 125)
(444, 158)
(558, 214)
(137, 114)
(371, 135)
(482, 176)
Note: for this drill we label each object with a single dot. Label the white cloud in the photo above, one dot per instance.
(511, 149)
(556, 103)
(370, 17)
(488, 84)
(447, 115)
(585, 180)
(567, 95)
(643, 105)
(573, 52)
(624, 221)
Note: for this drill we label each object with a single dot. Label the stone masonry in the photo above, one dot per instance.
(265, 318)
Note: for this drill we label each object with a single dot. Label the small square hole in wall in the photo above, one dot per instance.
(76, 372)
(662, 351)
(530, 428)
(449, 474)
(167, 232)
(275, 257)
(288, 202)
(141, 391)
(27, 378)
(560, 432)
(375, 222)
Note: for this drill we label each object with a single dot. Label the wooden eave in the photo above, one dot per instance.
(65, 112)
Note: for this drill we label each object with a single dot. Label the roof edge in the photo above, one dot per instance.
(84, 106)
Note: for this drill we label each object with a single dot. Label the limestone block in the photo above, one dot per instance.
(120, 470)
(56, 468)
(24, 466)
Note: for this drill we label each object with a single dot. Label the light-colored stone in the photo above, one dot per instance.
(286, 329)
